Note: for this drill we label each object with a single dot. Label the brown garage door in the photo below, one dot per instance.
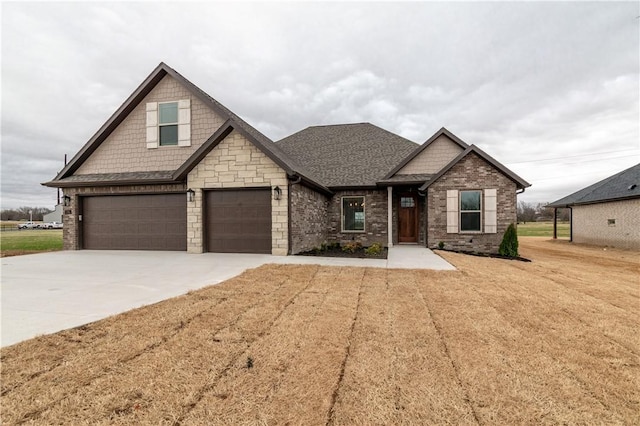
(135, 222)
(238, 221)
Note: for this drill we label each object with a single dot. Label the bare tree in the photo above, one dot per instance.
(22, 213)
(526, 212)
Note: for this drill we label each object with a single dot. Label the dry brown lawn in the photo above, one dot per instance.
(554, 341)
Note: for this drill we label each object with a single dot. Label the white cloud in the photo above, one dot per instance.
(523, 81)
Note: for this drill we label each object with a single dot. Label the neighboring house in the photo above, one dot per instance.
(606, 213)
(54, 216)
(173, 169)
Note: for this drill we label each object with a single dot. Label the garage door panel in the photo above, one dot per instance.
(135, 222)
(238, 221)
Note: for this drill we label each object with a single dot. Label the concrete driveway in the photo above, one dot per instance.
(48, 292)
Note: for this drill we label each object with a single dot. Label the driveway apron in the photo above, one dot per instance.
(48, 292)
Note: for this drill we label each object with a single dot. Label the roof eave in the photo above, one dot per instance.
(353, 187)
(585, 203)
(401, 183)
(78, 184)
(520, 183)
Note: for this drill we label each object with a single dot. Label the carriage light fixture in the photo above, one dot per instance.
(191, 195)
(277, 193)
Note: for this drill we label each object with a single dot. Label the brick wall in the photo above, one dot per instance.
(72, 225)
(471, 173)
(433, 158)
(309, 219)
(237, 163)
(125, 150)
(375, 218)
(591, 224)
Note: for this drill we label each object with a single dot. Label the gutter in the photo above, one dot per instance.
(61, 184)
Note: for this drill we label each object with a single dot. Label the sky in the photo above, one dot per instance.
(549, 89)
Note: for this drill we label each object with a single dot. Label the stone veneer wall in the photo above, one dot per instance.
(309, 219)
(590, 224)
(72, 225)
(375, 218)
(237, 163)
(125, 150)
(471, 173)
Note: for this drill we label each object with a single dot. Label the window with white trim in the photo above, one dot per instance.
(470, 211)
(353, 210)
(169, 123)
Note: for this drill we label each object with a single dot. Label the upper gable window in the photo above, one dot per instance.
(169, 123)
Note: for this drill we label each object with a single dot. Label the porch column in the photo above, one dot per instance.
(390, 215)
(555, 223)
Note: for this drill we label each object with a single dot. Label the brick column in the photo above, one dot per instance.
(390, 216)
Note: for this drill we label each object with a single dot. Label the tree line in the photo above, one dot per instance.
(529, 212)
(22, 213)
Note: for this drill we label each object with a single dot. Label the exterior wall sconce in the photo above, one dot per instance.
(277, 193)
(66, 201)
(191, 195)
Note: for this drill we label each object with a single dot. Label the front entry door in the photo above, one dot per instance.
(408, 218)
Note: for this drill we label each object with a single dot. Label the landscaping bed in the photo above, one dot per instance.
(349, 251)
(479, 254)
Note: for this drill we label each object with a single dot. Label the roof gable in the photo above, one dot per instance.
(347, 155)
(233, 121)
(520, 183)
(428, 143)
(623, 185)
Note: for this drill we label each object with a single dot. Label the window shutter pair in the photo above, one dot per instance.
(184, 124)
(490, 211)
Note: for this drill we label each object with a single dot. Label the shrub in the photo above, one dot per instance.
(509, 244)
(374, 249)
(351, 247)
(441, 245)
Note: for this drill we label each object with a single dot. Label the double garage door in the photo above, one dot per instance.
(135, 222)
(235, 221)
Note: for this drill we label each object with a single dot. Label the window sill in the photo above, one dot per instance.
(353, 232)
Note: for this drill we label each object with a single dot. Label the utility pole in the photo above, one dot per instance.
(65, 164)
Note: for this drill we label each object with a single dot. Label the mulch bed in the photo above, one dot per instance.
(493, 255)
(337, 252)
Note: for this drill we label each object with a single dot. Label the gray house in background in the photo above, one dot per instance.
(54, 216)
(606, 213)
(174, 169)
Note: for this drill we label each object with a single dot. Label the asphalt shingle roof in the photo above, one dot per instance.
(625, 184)
(347, 155)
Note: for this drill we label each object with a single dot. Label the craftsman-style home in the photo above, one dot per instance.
(173, 169)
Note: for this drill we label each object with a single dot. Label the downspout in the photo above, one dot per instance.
(289, 236)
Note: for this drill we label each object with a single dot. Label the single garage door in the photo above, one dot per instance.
(238, 221)
(135, 222)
